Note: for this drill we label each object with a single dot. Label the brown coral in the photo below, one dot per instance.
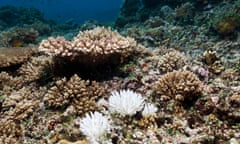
(14, 56)
(35, 68)
(172, 60)
(77, 92)
(180, 85)
(91, 47)
(10, 131)
(17, 96)
(23, 109)
(10, 82)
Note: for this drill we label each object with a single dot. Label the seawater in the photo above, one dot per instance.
(74, 10)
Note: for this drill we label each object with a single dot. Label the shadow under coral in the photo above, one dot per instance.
(99, 72)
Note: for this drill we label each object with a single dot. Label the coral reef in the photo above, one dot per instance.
(36, 68)
(97, 46)
(9, 83)
(180, 86)
(171, 61)
(179, 83)
(10, 131)
(18, 37)
(15, 56)
(95, 126)
(226, 21)
(79, 93)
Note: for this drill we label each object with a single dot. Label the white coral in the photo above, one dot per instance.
(149, 109)
(125, 102)
(94, 126)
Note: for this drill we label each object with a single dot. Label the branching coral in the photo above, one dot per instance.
(36, 68)
(173, 60)
(79, 93)
(23, 109)
(180, 85)
(16, 97)
(10, 131)
(91, 47)
(7, 81)
(14, 56)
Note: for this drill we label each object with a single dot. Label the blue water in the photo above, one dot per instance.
(76, 10)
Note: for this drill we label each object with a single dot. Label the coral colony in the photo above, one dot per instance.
(164, 72)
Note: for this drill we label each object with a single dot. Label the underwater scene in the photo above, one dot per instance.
(120, 72)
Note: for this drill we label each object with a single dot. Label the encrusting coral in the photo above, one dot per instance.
(179, 85)
(172, 60)
(91, 47)
(77, 92)
(14, 56)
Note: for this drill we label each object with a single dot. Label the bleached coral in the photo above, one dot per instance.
(149, 109)
(125, 102)
(95, 126)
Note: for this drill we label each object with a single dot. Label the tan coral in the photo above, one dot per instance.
(58, 95)
(14, 56)
(148, 122)
(23, 109)
(9, 83)
(10, 131)
(17, 96)
(172, 60)
(77, 92)
(35, 68)
(4, 139)
(179, 85)
(92, 47)
(4, 78)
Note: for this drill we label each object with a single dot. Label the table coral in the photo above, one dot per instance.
(91, 47)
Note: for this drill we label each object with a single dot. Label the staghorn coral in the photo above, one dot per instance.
(172, 60)
(77, 92)
(91, 47)
(36, 68)
(179, 85)
(15, 56)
